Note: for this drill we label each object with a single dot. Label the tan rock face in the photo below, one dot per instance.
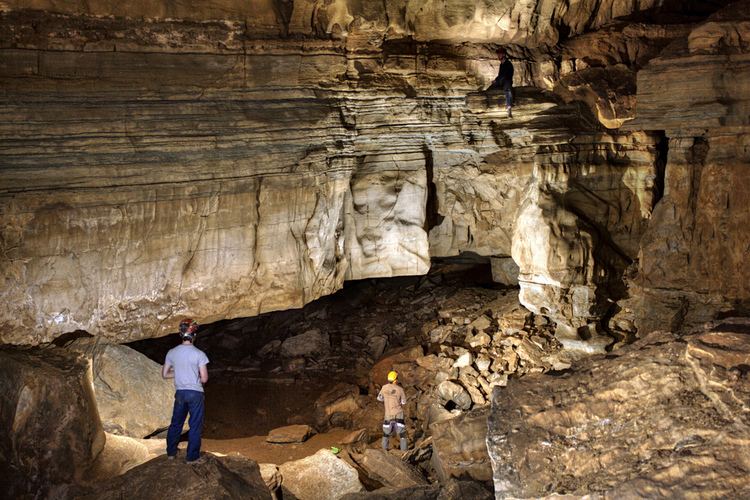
(693, 258)
(131, 396)
(49, 425)
(228, 477)
(659, 416)
(161, 161)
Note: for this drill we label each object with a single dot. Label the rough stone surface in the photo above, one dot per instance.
(459, 447)
(271, 476)
(213, 477)
(239, 158)
(451, 391)
(666, 416)
(131, 396)
(321, 476)
(430, 492)
(122, 453)
(387, 470)
(504, 270)
(49, 427)
(379, 372)
(290, 434)
(306, 344)
(340, 400)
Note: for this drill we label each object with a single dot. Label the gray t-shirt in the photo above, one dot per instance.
(186, 361)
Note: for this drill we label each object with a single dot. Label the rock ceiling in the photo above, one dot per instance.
(223, 159)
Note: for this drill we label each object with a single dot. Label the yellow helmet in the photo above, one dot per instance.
(392, 376)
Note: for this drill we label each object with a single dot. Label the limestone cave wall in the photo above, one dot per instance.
(224, 159)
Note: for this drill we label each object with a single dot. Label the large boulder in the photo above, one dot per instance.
(665, 416)
(310, 343)
(297, 433)
(231, 477)
(459, 448)
(322, 476)
(428, 492)
(450, 391)
(132, 397)
(379, 372)
(335, 407)
(49, 427)
(453, 490)
(383, 469)
(122, 453)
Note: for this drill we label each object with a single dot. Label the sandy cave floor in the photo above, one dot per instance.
(239, 415)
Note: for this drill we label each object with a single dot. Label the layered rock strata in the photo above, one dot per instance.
(693, 258)
(236, 158)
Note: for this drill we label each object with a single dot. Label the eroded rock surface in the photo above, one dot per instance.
(212, 477)
(131, 396)
(321, 476)
(693, 259)
(459, 448)
(50, 430)
(666, 416)
(247, 171)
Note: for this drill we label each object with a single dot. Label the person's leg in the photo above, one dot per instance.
(386, 434)
(509, 101)
(179, 412)
(197, 409)
(401, 428)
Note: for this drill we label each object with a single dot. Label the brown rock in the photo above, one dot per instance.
(310, 343)
(434, 363)
(378, 373)
(210, 477)
(440, 334)
(321, 476)
(50, 428)
(530, 352)
(430, 492)
(674, 407)
(451, 391)
(358, 436)
(122, 453)
(271, 476)
(341, 399)
(480, 324)
(386, 470)
(460, 449)
(131, 396)
(480, 340)
(290, 434)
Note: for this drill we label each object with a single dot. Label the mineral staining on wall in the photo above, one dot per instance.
(248, 157)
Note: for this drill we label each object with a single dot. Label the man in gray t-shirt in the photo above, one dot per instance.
(186, 364)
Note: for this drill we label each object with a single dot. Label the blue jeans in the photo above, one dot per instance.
(186, 402)
(508, 97)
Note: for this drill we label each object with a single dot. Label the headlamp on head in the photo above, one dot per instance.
(188, 329)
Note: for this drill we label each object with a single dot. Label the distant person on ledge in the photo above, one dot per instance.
(393, 398)
(186, 364)
(504, 79)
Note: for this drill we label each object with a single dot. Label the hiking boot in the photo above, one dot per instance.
(510, 113)
(201, 459)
